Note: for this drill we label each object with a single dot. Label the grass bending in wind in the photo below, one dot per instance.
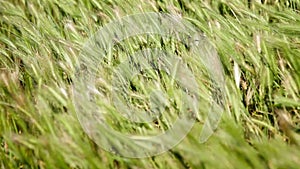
(40, 42)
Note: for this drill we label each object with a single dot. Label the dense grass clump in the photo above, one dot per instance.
(40, 42)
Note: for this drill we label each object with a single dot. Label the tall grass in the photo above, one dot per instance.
(40, 41)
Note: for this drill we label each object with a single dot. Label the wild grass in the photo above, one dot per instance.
(40, 42)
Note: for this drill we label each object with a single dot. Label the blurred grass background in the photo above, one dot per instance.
(40, 41)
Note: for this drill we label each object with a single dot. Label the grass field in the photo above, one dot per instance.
(40, 42)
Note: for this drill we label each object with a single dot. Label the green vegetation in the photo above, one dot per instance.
(40, 42)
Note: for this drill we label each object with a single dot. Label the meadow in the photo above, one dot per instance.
(41, 40)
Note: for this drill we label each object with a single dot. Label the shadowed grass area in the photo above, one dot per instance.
(40, 42)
